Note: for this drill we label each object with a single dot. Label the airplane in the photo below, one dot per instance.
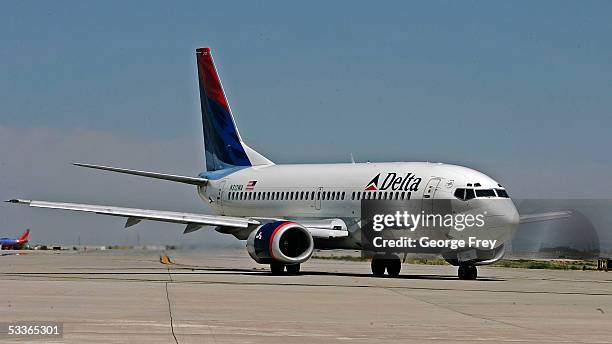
(15, 244)
(285, 211)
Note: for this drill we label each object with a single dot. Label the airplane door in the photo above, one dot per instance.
(318, 198)
(429, 194)
(219, 199)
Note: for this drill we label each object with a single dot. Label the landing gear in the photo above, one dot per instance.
(277, 268)
(293, 269)
(467, 272)
(391, 263)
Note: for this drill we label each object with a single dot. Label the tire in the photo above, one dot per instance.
(472, 272)
(277, 268)
(378, 267)
(394, 266)
(293, 269)
(467, 272)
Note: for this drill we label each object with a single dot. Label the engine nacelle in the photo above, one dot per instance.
(482, 257)
(280, 242)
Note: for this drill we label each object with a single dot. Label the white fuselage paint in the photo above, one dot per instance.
(437, 181)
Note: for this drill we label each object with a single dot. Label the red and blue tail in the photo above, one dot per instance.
(24, 236)
(222, 143)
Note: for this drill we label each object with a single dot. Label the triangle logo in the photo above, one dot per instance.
(373, 184)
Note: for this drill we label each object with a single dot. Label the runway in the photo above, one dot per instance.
(222, 296)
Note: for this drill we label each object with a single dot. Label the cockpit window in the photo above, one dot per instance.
(485, 193)
(469, 194)
(460, 193)
(502, 193)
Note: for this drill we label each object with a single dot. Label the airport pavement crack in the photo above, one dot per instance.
(170, 307)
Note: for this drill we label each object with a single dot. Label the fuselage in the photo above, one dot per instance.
(323, 191)
(8, 243)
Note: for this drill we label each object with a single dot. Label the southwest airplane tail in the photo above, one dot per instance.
(285, 211)
(24, 237)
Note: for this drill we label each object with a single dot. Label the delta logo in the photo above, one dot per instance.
(392, 181)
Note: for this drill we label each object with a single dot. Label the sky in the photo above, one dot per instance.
(518, 90)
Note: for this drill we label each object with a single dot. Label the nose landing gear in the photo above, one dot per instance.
(467, 272)
(391, 263)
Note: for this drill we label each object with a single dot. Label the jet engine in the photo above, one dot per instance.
(481, 257)
(283, 242)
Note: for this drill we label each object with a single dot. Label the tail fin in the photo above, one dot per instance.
(222, 143)
(25, 235)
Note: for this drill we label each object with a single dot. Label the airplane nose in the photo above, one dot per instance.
(501, 220)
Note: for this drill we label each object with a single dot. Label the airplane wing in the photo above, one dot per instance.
(325, 229)
(529, 218)
(134, 215)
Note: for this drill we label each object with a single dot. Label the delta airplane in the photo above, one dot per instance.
(15, 244)
(286, 211)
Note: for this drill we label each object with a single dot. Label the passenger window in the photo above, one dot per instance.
(469, 194)
(343, 195)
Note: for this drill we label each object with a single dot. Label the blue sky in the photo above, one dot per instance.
(520, 90)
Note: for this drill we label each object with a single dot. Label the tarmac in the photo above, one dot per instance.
(222, 296)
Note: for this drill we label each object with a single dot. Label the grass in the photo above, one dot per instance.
(504, 263)
(548, 264)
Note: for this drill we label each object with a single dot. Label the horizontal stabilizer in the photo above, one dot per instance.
(170, 177)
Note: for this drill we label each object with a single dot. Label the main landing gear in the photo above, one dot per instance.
(391, 263)
(279, 269)
(467, 272)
